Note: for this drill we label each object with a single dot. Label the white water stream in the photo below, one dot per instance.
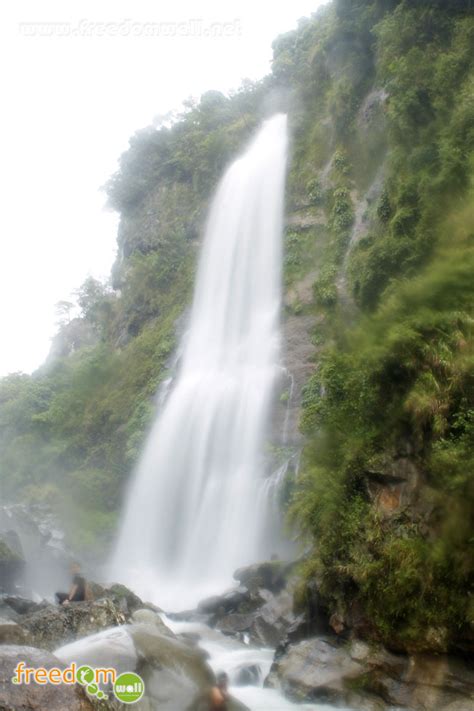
(229, 655)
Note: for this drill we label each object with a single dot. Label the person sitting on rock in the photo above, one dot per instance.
(219, 693)
(77, 593)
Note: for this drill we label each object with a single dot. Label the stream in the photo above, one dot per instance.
(229, 655)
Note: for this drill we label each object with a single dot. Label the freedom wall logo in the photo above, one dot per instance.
(127, 687)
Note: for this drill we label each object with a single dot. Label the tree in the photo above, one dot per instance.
(62, 310)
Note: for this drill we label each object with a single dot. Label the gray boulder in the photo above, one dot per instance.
(315, 669)
(122, 597)
(151, 619)
(112, 648)
(176, 674)
(266, 625)
(362, 676)
(273, 619)
(6, 612)
(272, 575)
(235, 623)
(22, 605)
(230, 601)
(56, 625)
(12, 633)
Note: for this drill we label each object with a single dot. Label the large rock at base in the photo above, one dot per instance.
(273, 619)
(364, 677)
(112, 648)
(151, 619)
(315, 669)
(266, 625)
(34, 697)
(176, 675)
(235, 623)
(424, 682)
(56, 625)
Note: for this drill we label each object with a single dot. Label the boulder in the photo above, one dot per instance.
(35, 697)
(23, 605)
(460, 705)
(176, 675)
(238, 601)
(266, 625)
(424, 682)
(273, 619)
(56, 625)
(12, 633)
(272, 575)
(6, 612)
(112, 648)
(192, 638)
(164, 652)
(152, 619)
(314, 669)
(122, 597)
(235, 623)
(365, 677)
(219, 605)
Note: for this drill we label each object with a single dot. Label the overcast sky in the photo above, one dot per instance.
(79, 79)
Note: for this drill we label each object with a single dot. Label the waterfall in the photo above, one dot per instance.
(192, 513)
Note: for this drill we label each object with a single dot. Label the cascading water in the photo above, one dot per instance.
(193, 511)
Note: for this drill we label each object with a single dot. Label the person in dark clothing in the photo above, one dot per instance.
(220, 693)
(77, 593)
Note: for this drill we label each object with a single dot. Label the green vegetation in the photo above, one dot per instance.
(71, 433)
(379, 93)
(387, 485)
(400, 386)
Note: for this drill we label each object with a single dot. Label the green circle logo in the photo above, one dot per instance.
(85, 675)
(129, 687)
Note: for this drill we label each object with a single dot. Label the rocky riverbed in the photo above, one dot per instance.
(319, 658)
(277, 657)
